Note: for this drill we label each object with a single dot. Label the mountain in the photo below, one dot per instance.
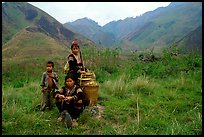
(161, 27)
(192, 42)
(158, 28)
(171, 25)
(22, 16)
(91, 30)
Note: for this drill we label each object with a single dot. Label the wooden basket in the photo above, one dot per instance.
(91, 93)
(90, 87)
(84, 81)
(87, 77)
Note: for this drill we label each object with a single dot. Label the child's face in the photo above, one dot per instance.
(49, 67)
(69, 83)
(75, 49)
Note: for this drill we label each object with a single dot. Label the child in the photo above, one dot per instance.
(49, 82)
(69, 100)
(75, 61)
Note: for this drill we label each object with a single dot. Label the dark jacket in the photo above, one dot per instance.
(74, 67)
(76, 105)
(44, 80)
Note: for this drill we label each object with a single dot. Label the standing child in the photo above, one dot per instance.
(49, 82)
(75, 61)
(69, 101)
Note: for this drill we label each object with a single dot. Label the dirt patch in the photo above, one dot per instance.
(96, 110)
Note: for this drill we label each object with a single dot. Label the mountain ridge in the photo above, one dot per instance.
(30, 33)
(20, 15)
(158, 28)
(167, 25)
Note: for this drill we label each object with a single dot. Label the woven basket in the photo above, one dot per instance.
(91, 93)
(87, 77)
(90, 87)
(84, 81)
(89, 74)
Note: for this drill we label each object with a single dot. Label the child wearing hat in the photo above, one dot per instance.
(75, 61)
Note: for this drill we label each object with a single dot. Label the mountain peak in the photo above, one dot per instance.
(85, 21)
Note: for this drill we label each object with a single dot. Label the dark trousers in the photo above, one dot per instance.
(74, 112)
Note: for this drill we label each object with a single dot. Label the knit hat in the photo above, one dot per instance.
(74, 43)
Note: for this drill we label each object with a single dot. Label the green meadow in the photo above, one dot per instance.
(159, 97)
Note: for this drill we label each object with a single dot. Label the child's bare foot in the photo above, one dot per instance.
(59, 119)
(74, 123)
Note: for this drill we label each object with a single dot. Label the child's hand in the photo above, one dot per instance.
(69, 98)
(61, 96)
(82, 72)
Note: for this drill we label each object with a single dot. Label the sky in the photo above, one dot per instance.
(100, 12)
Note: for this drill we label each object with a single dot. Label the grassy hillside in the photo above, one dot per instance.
(192, 42)
(13, 20)
(163, 97)
(31, 45)
(31, 50)
(17, 16)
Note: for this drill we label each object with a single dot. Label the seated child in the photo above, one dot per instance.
(70, 98)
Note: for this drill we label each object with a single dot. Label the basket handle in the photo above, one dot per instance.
(80, 80)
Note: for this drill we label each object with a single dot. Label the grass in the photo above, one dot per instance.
(163, 97)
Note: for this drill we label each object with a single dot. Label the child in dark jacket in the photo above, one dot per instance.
(75, 61)
(70, 99)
